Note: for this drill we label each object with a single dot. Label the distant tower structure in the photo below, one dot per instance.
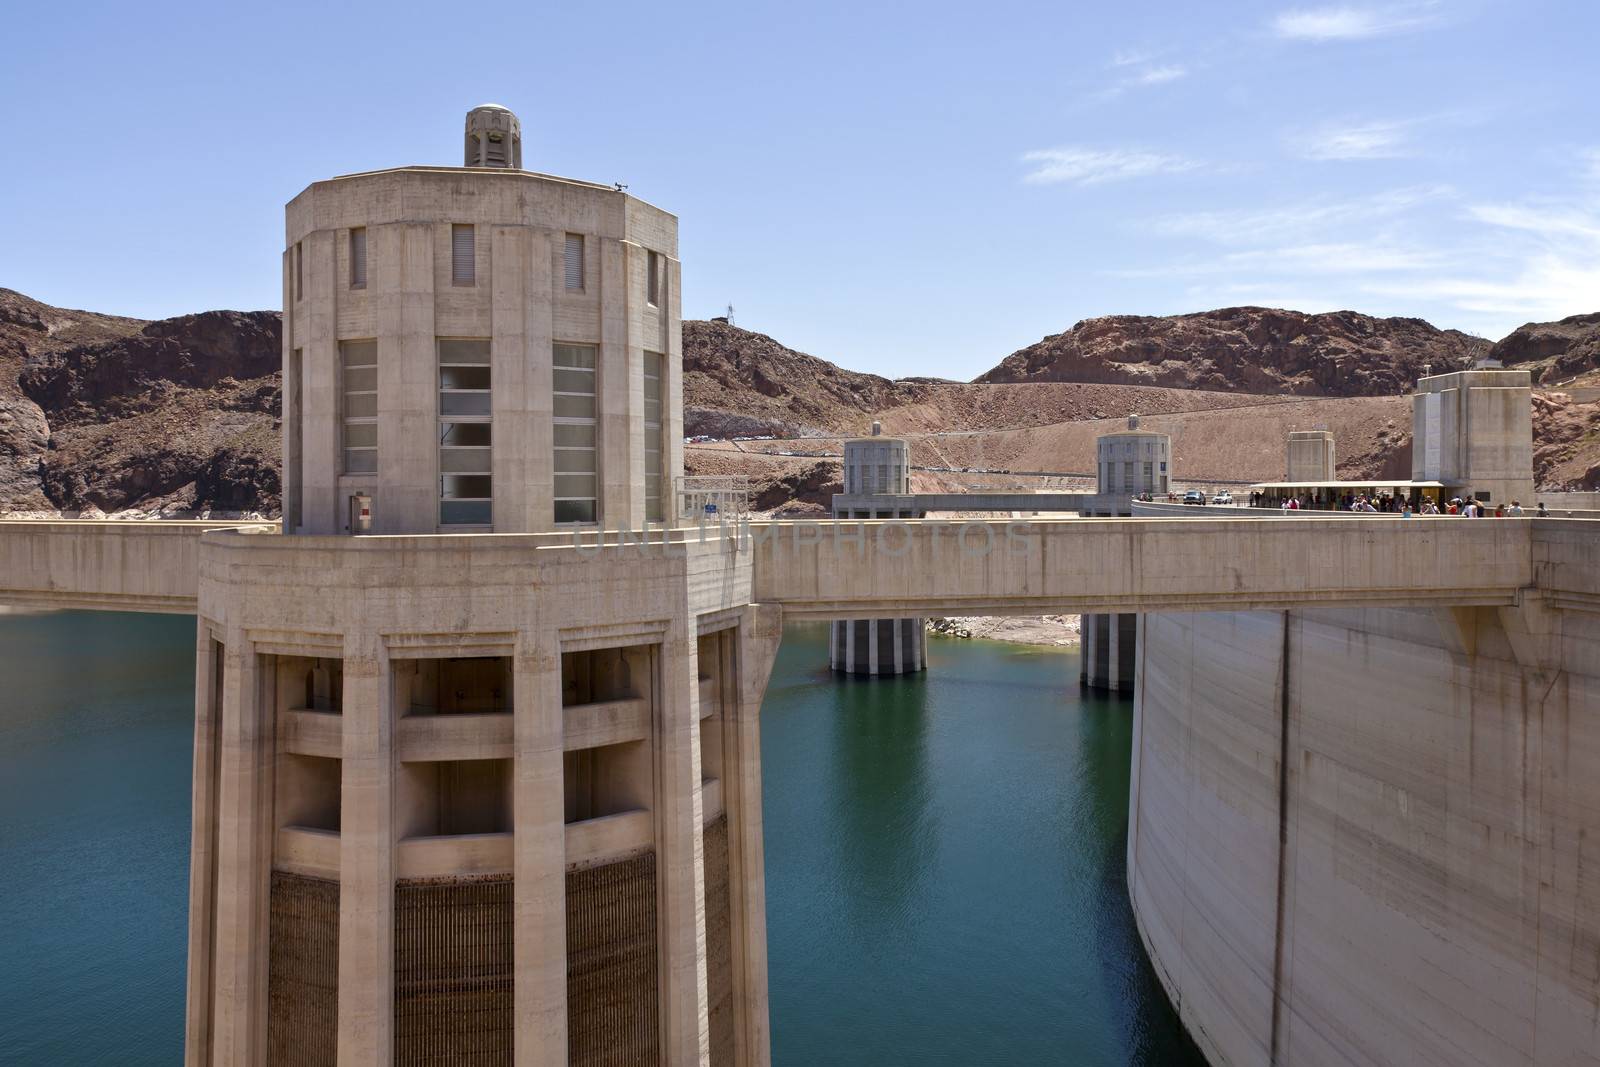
(1472, 430)
(1130, 462)
(877, 485)
(730, 315)
(494, 138)
(1310, 456)
(1133, 461)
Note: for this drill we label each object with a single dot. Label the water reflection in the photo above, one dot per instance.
(945, 884)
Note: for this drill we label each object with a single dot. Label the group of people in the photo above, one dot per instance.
(1470, 508)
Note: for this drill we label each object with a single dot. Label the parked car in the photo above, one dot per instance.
(1223, 497)
(1194, 496)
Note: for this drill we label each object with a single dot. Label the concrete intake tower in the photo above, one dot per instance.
(471, 787)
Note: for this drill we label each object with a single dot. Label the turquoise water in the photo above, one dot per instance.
(944, 856)
(946, 873)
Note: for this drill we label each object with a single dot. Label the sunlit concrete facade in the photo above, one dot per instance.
(491, 798)
(1473, 431)
(1310, 456)
(478, 349)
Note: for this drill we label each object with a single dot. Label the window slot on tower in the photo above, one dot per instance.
(463, 255)
(573, 262)
(576, 470)
(654, 442)
(652, 279)
(466, 434)
(299, 270)
(359, 370)
(358, 257)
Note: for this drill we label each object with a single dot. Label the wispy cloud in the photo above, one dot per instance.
(1094, 166)
(1381, 255)
(1360, 140)
(1486, 266)
(1160, 75)
(1303, 221)
(1140, 68)
(1352, 23)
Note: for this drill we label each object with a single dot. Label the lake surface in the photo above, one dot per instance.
(945, 855)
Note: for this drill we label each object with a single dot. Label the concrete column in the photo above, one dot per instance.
(312, 323)
(1113, 680)
(619, 376)
(680, 850)
(203, 850)
(244, 852)
(540, 882)
(1086, 631)
(760, 632)
(406, 500)
(874, 658)
(366, 858)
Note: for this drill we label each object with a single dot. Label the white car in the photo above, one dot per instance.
(1222, 498)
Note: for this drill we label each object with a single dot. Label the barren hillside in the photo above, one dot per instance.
(1247, 350)
(114, 413)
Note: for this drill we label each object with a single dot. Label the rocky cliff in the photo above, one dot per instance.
(1248, 350)
(740, 383)
(1553, 351)
(110, 414)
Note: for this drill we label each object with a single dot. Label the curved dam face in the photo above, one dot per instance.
(1372, 836)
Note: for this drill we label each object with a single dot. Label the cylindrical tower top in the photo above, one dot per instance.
(494, 138)
(1133, 422)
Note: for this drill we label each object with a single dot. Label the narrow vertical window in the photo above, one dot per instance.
(463, 256)
(359, 380)
(294, 442)
(358, 258)
(654, 443)
(466, 434)
(573, 403)
(573, 262)
(299, 269)
(652, 280)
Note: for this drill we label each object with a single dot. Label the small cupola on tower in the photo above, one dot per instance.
(494, 138)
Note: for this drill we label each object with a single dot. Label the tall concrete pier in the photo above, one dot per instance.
(877, 478)
(1128, 462)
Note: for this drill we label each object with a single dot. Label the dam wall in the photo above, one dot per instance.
(1372, 835)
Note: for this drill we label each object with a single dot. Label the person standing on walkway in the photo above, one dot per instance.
(1515, 511)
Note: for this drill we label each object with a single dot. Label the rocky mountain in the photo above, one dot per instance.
(115, 414)
(740, 383)
(106, 413)
(1246, 349)
(1553, 351)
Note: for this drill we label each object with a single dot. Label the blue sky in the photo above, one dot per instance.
(916, 188)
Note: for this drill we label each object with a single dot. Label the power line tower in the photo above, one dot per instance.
(730, 314)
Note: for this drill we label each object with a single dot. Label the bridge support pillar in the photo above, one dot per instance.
(1108, 649)
(872, 647)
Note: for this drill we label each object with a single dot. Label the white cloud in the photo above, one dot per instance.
(1366, 140)
(1132, 57)
(1160, 75)
(1089, 166)
(1351, 23)
(1304, 221)
(1546, 220)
